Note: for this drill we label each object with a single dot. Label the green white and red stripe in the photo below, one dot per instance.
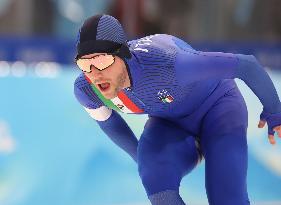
(168, 99)
(121, 102)
(124, 103)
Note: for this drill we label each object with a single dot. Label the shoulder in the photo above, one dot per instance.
(158, 42)
(154, 49)
(84, 93)
(151, 43)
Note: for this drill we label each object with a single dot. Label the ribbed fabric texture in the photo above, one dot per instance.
(169, 197)
(254, 75)
(110, 29)
(102, 34)
(157, 73)
(84, 93)
(154, 73)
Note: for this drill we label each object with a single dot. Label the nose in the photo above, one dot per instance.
(95, 71)
(96, 74)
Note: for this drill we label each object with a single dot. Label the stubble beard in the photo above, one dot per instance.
(121, 79)
(120, 84)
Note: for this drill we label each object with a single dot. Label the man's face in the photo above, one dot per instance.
(110, 80)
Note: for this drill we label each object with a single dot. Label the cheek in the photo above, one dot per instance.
(113, 74)
(114, 82)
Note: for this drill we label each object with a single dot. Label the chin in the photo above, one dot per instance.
(109, 96)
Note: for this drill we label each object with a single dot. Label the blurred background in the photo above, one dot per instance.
(51, 152)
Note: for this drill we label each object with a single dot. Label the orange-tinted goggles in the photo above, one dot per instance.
(100, 62)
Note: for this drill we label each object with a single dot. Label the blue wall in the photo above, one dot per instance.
(63, 50)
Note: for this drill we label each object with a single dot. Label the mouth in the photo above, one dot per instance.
(104, 86)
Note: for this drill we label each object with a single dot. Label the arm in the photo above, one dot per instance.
(205, 65)
(253, 74)
(109, 121)
(116, 128)
(199, 66)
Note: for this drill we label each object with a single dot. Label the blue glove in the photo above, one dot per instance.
(273, 121)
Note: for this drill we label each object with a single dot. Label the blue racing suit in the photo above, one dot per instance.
(192, 102)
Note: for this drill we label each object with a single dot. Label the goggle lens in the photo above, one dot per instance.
(100, 62)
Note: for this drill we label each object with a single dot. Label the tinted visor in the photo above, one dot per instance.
(99, 62)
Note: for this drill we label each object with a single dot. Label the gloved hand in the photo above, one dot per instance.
(273, 122)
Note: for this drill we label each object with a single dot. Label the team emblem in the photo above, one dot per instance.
(120, 106)
(165, 97)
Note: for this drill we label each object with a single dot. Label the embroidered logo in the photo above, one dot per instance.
(165, 97)
(120, 106)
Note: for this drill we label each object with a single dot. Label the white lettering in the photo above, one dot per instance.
(141, 49)
(142, 44)
(146, 41)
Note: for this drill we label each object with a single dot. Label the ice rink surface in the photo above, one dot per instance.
(51, 152)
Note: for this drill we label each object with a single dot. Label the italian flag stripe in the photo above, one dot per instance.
(121, 105)
(107, 102)
(122, 100)
(128, 103)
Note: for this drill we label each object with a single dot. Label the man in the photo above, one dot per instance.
(191, 100)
